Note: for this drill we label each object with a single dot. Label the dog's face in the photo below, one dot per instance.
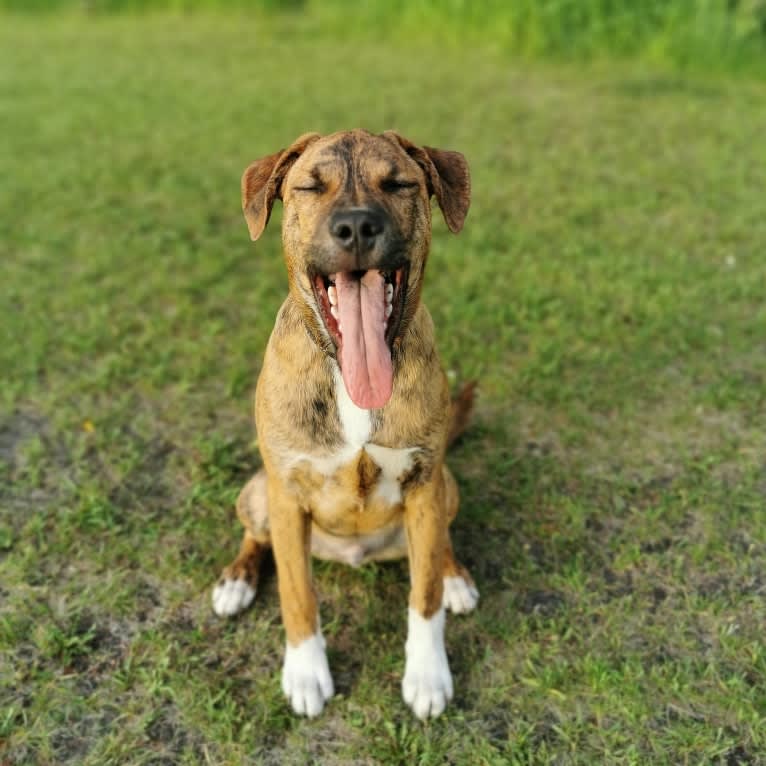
(356, 231)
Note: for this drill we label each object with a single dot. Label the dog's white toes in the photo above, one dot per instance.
(427, 688)
(460, 596)
(306, 679)
(427, 682)
(232, 596)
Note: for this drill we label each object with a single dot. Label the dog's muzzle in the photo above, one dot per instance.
(360, 288)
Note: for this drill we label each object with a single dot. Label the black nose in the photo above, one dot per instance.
(357, 228)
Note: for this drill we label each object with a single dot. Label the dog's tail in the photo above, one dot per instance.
(462, 408)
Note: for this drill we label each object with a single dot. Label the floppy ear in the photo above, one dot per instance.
(262, 183)
(449, 179)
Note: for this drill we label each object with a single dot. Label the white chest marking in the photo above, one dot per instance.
(355, 422)
(356, 425)
(393, 463)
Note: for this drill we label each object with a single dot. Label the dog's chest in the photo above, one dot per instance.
(358, 476)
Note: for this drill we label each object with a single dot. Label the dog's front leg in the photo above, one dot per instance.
(306, 679)
(427, 683)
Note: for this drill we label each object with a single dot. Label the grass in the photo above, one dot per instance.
(700, 35)
(607, 292)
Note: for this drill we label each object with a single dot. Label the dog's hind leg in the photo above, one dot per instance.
(460, 592)
(235, 590)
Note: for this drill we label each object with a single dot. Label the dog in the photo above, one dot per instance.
(352, 407)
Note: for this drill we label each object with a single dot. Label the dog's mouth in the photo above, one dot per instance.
(362, 311)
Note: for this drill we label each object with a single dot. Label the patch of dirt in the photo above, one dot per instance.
(731, 587)
(541, 602)
(148, 599)
(656, 546)
(16, 503)
(617, 585)
(313, 744)
(72, 742)
(15, 430)
(88, 649)
(145, 486)
(68, 745)
(739, 756)
(497, 726)
(20, 497)
(165, 729)
(546, 730)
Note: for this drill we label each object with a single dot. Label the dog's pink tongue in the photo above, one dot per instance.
(365, 360)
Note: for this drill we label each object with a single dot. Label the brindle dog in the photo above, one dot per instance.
(352, 407)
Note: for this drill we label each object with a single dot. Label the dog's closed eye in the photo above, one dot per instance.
(315, 188)
(313, 183)
(393, 185)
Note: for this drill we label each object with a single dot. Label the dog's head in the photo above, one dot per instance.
(356, 231)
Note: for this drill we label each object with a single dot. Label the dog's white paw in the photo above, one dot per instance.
(460, 596)
(306, 679)
(427, 683)
(232, 596)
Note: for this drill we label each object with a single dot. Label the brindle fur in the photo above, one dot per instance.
(297, 414)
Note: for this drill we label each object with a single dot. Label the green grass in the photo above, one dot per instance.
(707, 35)
(607, 292)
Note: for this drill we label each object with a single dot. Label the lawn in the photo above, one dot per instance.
(607, 292)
